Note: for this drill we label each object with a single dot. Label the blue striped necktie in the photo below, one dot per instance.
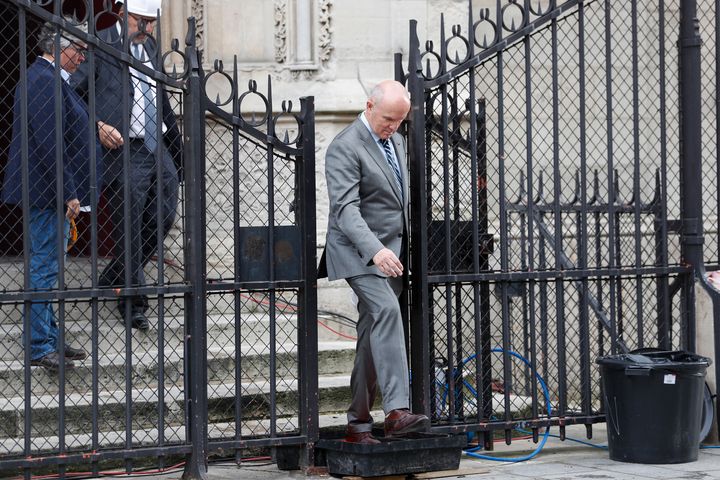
(393, 164)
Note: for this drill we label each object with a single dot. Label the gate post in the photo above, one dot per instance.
(195, 308)
(691, 246)
(307, 329)
(420, 353)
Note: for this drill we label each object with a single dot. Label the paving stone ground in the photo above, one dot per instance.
(557, 461)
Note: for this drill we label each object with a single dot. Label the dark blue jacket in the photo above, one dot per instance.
(109, 99)
(42, 122)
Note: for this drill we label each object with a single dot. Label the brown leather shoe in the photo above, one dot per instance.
(363, 438)
(402, 421)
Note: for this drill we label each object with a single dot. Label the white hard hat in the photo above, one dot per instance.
(144, 8)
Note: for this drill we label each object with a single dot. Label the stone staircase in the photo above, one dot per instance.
(140, 378)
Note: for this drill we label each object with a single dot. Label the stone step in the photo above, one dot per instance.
(334, 394)
(13, 447)
(80, 310)
(333, 358)
(78, 271)
(255, 329)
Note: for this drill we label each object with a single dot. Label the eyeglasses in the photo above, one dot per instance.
(147, 20)
(80, 50)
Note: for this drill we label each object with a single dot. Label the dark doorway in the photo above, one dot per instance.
(11, 216)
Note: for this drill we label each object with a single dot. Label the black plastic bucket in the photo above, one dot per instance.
(653, 405)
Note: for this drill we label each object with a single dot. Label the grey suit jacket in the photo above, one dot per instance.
(367, 210)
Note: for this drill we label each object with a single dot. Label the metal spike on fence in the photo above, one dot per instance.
(286, 139)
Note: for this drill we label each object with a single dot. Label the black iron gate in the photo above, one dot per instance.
(549, 226)
(229, 361)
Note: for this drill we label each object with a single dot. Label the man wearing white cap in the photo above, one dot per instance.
(148, 144)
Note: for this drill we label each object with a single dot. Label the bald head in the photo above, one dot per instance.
(386, 108)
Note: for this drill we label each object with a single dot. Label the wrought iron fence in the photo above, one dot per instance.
(227, 359)
(545, 150)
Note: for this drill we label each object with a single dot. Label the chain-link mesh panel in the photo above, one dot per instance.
(129, 390)
(542, 324)
(253, 371)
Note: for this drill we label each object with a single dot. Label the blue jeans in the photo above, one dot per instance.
(43, 277)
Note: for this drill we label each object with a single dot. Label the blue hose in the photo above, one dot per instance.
(546, 393)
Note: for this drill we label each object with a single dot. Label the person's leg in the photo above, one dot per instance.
(167, 207)
(380, 315)
(42, 277)
(363, 381)
(113, 275)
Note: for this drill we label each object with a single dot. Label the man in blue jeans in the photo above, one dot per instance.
(73, 143)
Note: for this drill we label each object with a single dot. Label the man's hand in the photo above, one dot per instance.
(73, 208)
(388, 263)
(109, 136)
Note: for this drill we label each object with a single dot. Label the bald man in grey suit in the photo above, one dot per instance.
(368, 190)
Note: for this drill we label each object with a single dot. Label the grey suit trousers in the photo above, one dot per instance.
(381, 343)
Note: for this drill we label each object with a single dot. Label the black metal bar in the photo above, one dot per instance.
(664, 297)
(510, 425)
(555, 275)
(25, 166)
(664, 321)
(585, 377)
(455, 115)
(447, 227)
(691, 240)
(558, 226)
(272, 310)
(237, 248)
(100, 293)
(529, 301)
(475, 175)
(127, 239)
(610, 172)
(637, 172)
(225, 445)
(504, 254)
(93, 457)
(94, 253)
(420, 351)
(307, 326)
(195, 307)
(60, 225)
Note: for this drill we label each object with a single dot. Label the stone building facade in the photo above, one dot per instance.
(334, 50)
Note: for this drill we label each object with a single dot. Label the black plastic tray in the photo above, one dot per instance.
(420, 452)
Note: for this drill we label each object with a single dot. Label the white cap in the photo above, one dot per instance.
(144, 8)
